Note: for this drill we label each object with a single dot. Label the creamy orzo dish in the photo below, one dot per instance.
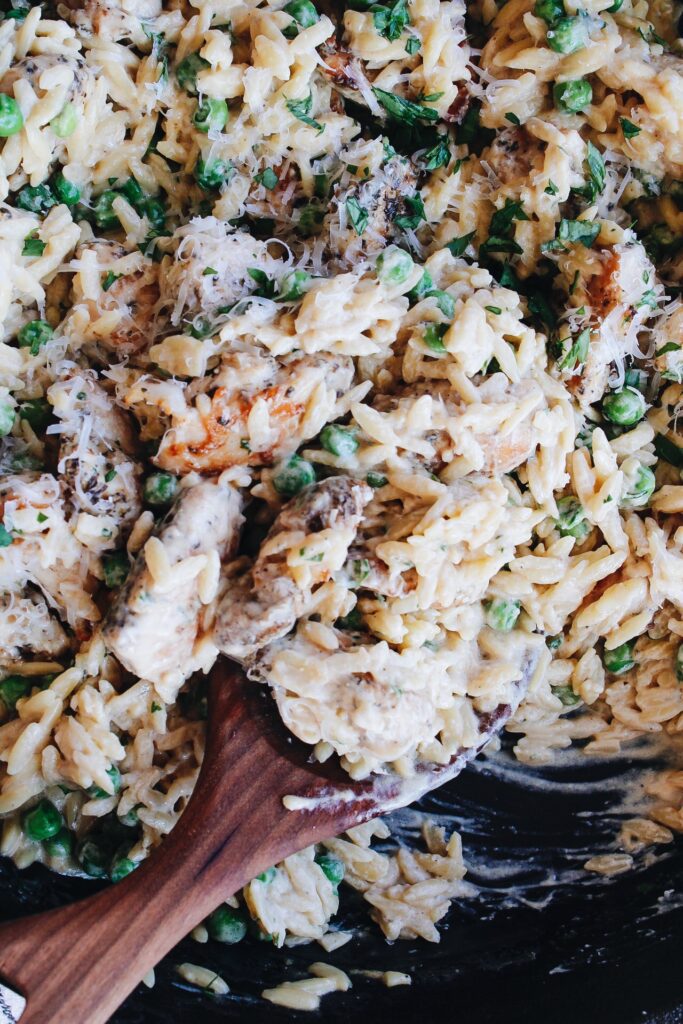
(344, 340)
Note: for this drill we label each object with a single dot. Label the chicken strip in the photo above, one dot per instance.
(28, 629)
(156, 618)
(306, 544)
(100, 476)
(115, 298)
(253, 411)
(618, 289)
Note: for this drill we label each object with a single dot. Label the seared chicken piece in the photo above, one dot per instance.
(187, 291)
(156, 618)
(265, 604)
(129, 295)
(252, 411)
(513, 155)
(502, 450)
(28, 629)
(98, 471)
(383, 197)
(619, 290)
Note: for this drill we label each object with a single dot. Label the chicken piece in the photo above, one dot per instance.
(121, 290)
(383, 197)
(455, 432)
(45, 550)
(156, 618)
(112, 21)
(513, 155)
(265, 604)
(30, 69)
(28, 629)
(100, 476)
(344, 70)
(187, 291)
(618, 288)
(253, 411)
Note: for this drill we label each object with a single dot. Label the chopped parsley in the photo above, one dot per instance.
(390, 21)
(416, 213)
(458, 246)
(108, 280)
(404, 110)
(268, 178)
(357, 215)
(301, 109)
(629, 129)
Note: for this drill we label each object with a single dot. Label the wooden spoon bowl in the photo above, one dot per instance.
(76, 964)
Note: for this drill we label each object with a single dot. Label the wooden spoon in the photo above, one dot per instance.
(76, 964)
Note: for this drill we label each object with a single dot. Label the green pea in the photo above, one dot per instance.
(353, 620)
(572, 97)
(159, 489)
(549, 10)
(501, 614)
(292, 475)
(132, 190)
(97, 793)
(571, 519)
(619, 659)
(115, 568)
(93, 859)
(213, 174)
(12, 688)
(394, 265)
(121, 867)
(60, 844)
(338, 440)
(226, 925)
(267, 876)
(37, 412)
(36, 199)
(310, 218)
(433, 335)
(11, 118)
(422, 288)
(624, 407)
(64, 124)
(103, 211)
(331, 867)
(639, 488)
(155, 212)
(567, 35)
(130, 819)
(210, 115)
(34, 335)
(6, 537)
(187, 72)
(65, 190)
(679, 663)
(7, 416)
(376, 479)
(293, 285)
(42, 821)
(303, 12)
(566, 695)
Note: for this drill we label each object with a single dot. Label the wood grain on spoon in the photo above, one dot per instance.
(76, 964)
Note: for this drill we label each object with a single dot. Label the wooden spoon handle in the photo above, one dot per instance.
(76, 964)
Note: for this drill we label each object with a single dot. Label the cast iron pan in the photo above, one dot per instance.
(536, 939)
